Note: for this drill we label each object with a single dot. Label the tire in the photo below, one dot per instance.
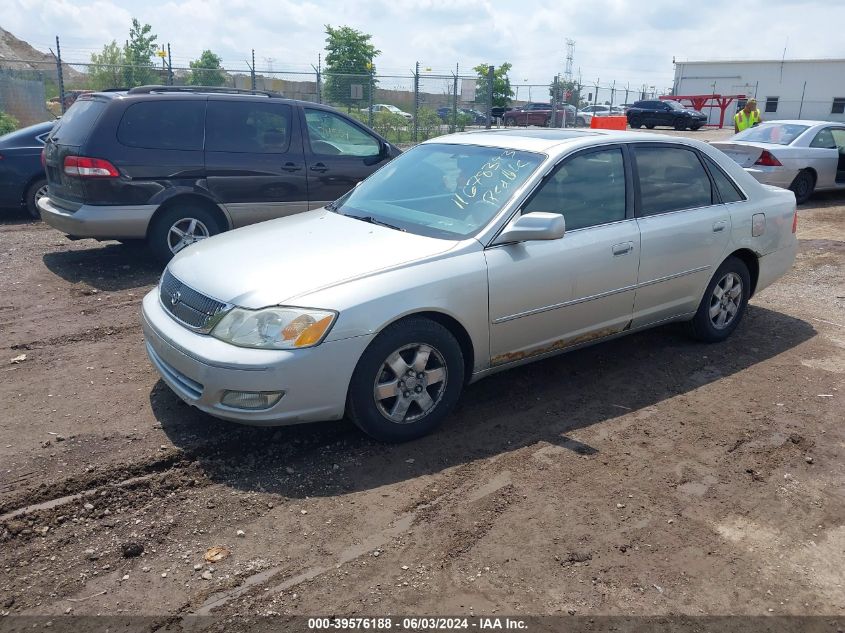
(35, 192)
(580, 122)
(650, 126)
(680, 125)
(195, 220)
(403, 344)
(696, 127)
(724, 302)
(634, 123)
(803, 186)
(547, 122)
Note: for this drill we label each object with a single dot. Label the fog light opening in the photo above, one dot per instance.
(251, 400)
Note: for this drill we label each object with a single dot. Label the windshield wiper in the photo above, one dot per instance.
(372, 220)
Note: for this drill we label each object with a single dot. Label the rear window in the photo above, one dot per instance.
(165, 124)
(76, 124)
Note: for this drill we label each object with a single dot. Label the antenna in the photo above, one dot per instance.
(570, 56)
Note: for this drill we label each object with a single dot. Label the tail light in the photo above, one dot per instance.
(795, 220)
(767, 159)
(43, 159)
(85, 167)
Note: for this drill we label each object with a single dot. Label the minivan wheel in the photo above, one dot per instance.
(34, 193)
(179, 226)
(407, 381)
(724, 302)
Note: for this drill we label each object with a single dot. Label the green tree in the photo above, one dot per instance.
(106, 69)
(502, 91)
(8, 123)
(138, 52)
(349, 52)
(206, 71)
(567, 92)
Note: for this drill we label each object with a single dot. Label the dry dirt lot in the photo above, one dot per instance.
(645, 476)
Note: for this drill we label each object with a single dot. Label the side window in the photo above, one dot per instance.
(823, 140)
(587, 189)
(332, 135)
(247, 127)
(671, 179)
(839, 138)
(838, 106)
(166, 124)
(726, 187)
(772, 104)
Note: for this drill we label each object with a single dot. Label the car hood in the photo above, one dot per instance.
(275, 262)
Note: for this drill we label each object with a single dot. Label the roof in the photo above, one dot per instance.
(763, 61)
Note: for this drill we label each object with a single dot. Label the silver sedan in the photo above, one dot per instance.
(469, 254)
(803, 156)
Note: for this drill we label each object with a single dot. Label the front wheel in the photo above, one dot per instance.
(803, 186)
(680, 125)
(407, 381)
(180, 226)
(634, 123)
(581, 122)
(34, 193)
(724, 302)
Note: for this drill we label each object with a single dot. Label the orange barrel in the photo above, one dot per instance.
(609, 123)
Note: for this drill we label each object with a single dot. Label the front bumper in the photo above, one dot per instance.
(100, 222)
(200, 369)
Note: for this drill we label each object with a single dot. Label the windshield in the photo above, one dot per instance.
(675, 105)
(440, 190)
(776, 133)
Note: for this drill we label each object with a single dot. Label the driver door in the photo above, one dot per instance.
(338, 155)
(549, 295)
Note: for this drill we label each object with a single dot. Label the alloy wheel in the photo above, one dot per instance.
(411, 383)
(725, 300)
(185, 232)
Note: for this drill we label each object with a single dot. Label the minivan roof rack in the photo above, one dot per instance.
(141, 90)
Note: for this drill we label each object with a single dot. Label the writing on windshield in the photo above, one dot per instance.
(491, 181)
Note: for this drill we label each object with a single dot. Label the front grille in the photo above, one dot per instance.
(187, 305)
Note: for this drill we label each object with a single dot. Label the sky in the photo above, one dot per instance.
(615, 41)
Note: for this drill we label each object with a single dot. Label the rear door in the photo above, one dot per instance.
(684, 231)
(67, 139)
(824, 156)
(254, 160)
(339, 154)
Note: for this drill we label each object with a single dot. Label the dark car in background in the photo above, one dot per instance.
(175, 165)
(22, 178)
(654, 112)
(473, 116)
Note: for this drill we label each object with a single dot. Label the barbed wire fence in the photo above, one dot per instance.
(431, 100)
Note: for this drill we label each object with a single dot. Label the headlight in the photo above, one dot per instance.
(275, 328)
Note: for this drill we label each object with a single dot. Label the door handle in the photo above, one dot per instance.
(319, 167)
(719, 226)
(623, 248)
(291, 167)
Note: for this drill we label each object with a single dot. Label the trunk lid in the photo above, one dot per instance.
(745, 154)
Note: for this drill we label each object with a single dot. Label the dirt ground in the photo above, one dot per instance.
(650, 475)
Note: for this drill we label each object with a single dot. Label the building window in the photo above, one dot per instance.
(838, 105)
(771, 104)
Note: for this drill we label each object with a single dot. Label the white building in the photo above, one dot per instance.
(784, 89)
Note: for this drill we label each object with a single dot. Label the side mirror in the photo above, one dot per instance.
(533, 226)
(383, 152)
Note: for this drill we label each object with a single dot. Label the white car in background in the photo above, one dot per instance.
(585, 115)
(803, 156)
(386, 107)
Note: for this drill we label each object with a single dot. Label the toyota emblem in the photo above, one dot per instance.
(175, 297)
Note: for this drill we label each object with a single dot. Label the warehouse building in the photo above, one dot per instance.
(784, 89)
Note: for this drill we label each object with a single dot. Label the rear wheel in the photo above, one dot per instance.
(179, 226)
(581, 122)
(634, 122)
(407, 381)
(803, 186)
(650, 126)
(680, 125)
(724, 302)
(34, 193)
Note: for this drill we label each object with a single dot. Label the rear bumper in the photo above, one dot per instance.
(101, 222)
(777, 176)
(775, 265)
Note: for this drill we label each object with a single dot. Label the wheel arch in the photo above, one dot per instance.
(752, 262)
(181, 198)
(35, 178)
(454, 326)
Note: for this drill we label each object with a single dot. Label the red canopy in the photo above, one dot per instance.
(700, 102)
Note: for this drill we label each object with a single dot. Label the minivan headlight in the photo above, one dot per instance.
(275, 328)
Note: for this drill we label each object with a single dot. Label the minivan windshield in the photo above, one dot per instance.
(441, 190)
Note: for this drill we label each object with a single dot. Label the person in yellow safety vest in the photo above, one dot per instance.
(747, 117)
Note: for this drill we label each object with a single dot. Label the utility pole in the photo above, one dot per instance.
(60, 74)
(491, 75)
(252, 71)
